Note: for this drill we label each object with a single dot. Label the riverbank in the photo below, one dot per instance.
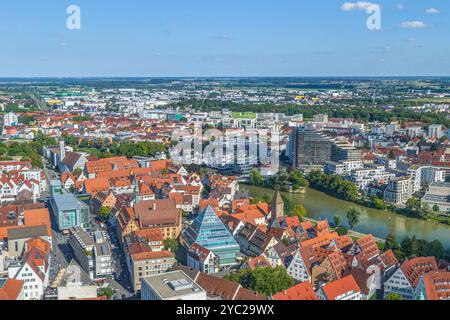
(380, 223)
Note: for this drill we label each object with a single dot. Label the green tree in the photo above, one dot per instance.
(337, 221)
(391, 242)
(393, 296)
(353, 216)
(299, 211)
(267, 199)
(171, 244)
(256, 178)
(267, 281)
(104, 212)
(342, 231)
(108, 292)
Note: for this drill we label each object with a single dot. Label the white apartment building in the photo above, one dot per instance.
(10, 119)
(432, 175)
(398, 190)
(342, 167)
(364, 176)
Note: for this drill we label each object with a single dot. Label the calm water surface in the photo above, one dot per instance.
(377, 222)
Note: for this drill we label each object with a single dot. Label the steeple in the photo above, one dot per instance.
(276, 206)
(136, 191)
(62, 150)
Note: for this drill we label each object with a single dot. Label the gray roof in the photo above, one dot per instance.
(67, 201)
(83, 237)
(75, 275)
(27, 232)
(172, 284)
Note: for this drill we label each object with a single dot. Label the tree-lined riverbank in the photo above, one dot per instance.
(377, 222)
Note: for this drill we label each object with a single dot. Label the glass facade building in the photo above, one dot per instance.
(210, 232)
(70, 211)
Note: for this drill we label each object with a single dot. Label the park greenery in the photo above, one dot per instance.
(103, 148)
(412, 247)
(267, 281)
(27, 151)
(282, 181)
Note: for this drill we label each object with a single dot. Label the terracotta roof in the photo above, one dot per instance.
(414, 268)
(157, 212)
(150, 255)
(93, 186)
(204, 203)
(437, 285)
(319, 241)
(38, 243)
(258, 262)
(38, 217)
(10, 288)
(340, 287)
(302, 291)
(338, 263)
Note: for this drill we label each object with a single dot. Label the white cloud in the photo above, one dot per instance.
(400, 6)
(360, 5)
(413, 25)
(432, 11)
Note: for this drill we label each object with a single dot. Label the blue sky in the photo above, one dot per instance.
(223, 38)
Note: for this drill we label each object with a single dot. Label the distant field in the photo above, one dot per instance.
(242, 115)
(429, 100)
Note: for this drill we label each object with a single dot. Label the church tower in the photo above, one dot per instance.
(62, 150)
(276, 206)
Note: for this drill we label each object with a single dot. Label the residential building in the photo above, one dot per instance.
(345, 288)
(160, 213)
(398, 190)
(302, 291)
(11, 289)
(202, 259)
(10, 120)
(33, 269)
(433, 286)
(405, 279)
(142, 262)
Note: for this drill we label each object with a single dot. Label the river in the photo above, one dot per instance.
(377, 222)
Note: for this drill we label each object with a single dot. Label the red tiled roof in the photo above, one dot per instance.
(340, 287)
(414, 268)
(437, 285)
(302, 291)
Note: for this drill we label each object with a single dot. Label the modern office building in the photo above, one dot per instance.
(435, 131)
(69, 211)
(308, 147)
(438, 196)
(93, 253)
(209, 232)
(175, 285)
(344, 151)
